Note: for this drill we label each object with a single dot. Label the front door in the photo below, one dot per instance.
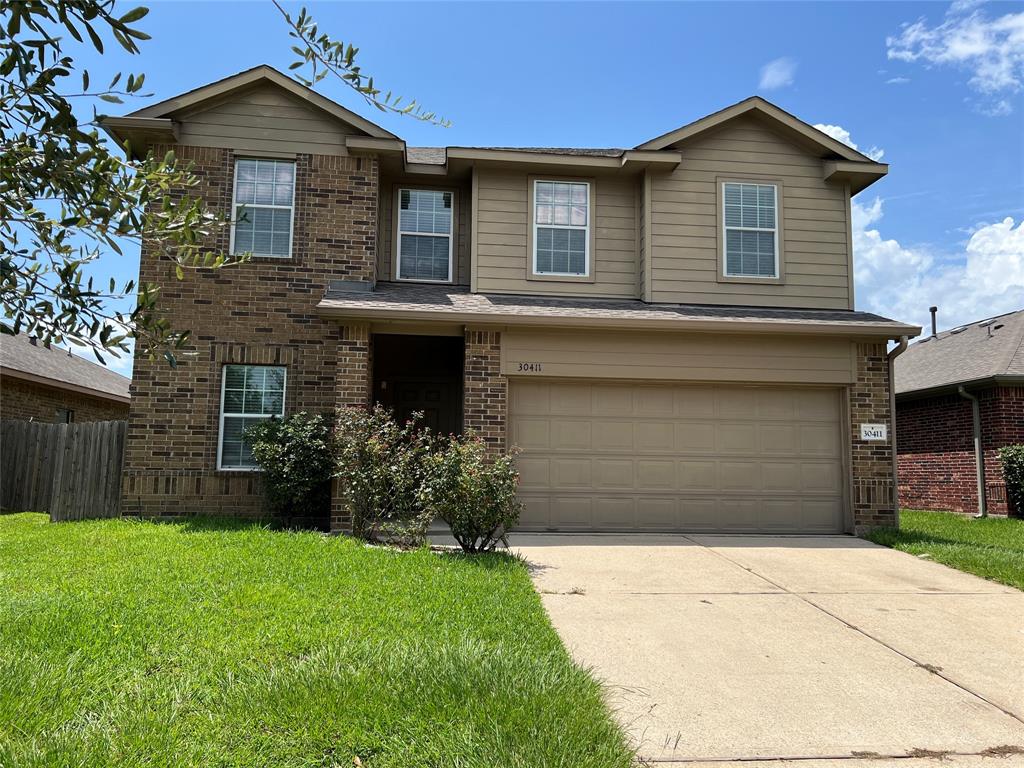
(437, 400)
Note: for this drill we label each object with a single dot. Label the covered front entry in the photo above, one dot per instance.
(420, 374)
(614, 456)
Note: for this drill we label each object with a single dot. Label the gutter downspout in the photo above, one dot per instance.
(979, 454)
(895, 352)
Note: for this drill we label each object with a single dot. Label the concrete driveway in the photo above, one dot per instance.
(719, 648)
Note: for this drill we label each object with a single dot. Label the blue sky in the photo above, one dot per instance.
(936, 87)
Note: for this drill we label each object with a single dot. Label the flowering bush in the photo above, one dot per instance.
(381, 467)
(473, 492)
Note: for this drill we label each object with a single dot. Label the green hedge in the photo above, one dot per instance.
(1012, 459)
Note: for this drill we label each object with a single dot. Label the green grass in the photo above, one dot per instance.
(992, 548)
(223, 644)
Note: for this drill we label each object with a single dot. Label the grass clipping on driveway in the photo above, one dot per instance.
(216, 644)
(992, 548)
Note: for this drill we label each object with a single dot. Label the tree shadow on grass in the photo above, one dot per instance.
(485, 560)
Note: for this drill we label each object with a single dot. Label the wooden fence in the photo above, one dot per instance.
(72, 471)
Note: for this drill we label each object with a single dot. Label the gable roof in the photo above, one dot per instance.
(21, 357)
(764, 109)
(252, 77)
(986, 350)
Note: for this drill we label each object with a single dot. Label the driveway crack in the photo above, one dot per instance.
(936, 671)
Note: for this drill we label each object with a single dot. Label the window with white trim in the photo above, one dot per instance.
(249, 393)
(264, 196)
(425, 235)
(751, 229)
(561, 228)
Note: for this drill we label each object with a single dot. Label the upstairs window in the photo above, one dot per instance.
(561, 228)
(264, 197)
(425, 235)
(751, 230)
(249, 393)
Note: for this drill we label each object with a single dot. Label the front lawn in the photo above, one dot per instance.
(223, 644)
(992, 548)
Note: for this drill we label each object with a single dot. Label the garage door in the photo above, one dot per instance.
(615, 456)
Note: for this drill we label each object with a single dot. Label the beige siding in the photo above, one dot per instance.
(386, 238)
(641, 239)
(265, 119)
(678, 357)
(684, 220)
(502, 259)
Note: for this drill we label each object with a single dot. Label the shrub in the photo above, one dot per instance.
(472, 492)
(381, 464)
(294, 453)
(1012, 459)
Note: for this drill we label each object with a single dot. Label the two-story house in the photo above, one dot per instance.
(666, 332)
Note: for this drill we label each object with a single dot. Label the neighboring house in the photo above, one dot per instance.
(49, 384)
(667, 332)
(941, 381)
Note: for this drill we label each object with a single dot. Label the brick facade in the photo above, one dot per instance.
(262, 312)
(32, 401)
(935, 445)
(871, 461)
(485, 388)
(353, 387)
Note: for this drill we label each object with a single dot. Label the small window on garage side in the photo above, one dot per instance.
(264, 196)
(65, 416)
(751, 236)
(561, 228)
(249, 393)
(425, 235)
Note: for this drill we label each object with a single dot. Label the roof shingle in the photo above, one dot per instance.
(18, 353)
(979, 350)
(457, 304)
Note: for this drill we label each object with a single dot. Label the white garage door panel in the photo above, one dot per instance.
(604, 456)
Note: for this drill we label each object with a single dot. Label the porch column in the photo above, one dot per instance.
(351, 388)
(485, 388)
(873, 481)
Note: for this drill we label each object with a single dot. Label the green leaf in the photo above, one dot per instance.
(134, 15)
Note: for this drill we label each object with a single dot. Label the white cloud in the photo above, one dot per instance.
(839, 133)
(999, 108)
(990, 49)
(897, 81)
(901, 282)
(778, 73)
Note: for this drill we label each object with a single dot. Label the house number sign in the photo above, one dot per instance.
(530, 368)
(874, 432)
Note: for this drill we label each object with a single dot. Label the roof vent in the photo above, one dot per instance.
(955, 331)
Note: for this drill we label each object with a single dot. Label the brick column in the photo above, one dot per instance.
(352, 388)
(872, 487)
(485, 388)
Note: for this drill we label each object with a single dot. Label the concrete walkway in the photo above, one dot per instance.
(720, 648)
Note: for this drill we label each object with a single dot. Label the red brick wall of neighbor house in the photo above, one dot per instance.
(257, 313)
(32, 401)
(935, 443)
